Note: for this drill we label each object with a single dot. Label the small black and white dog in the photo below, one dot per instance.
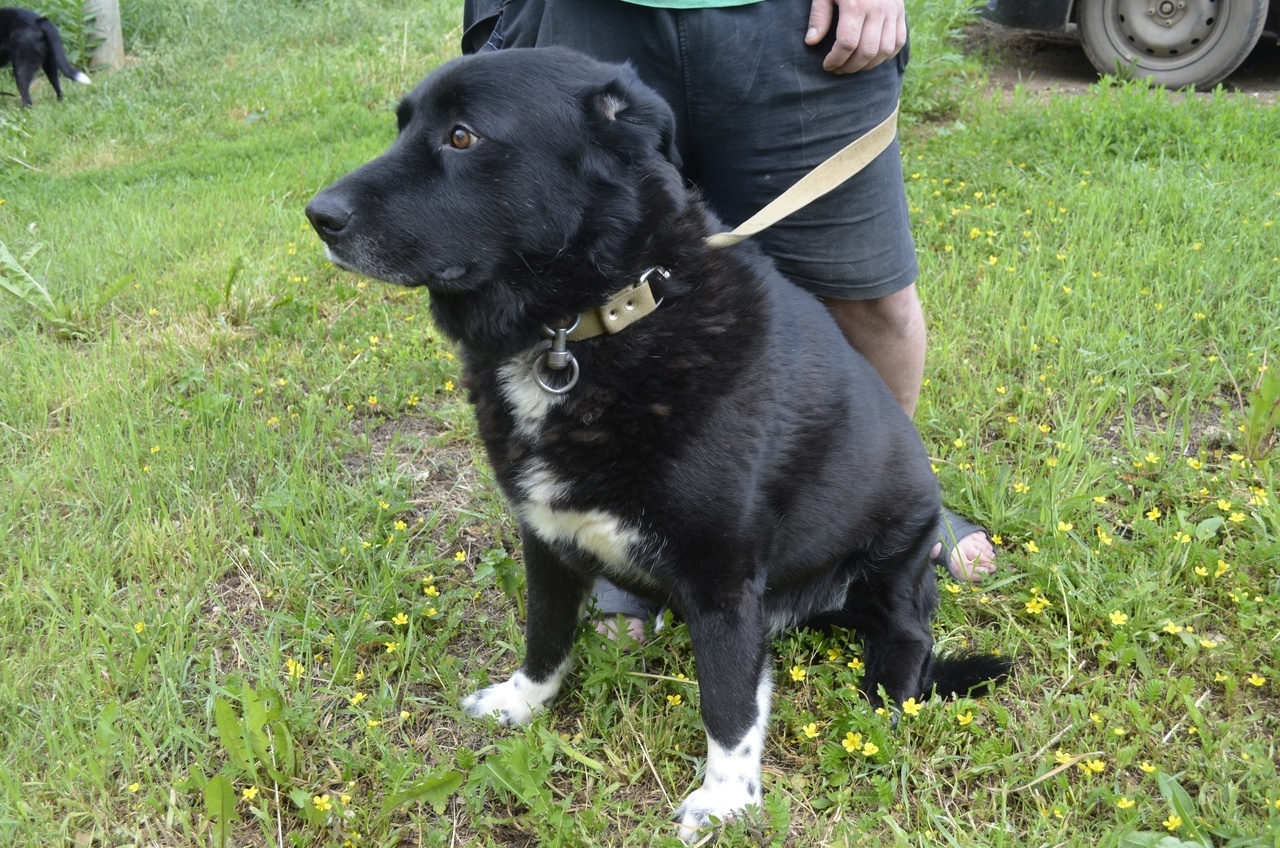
(30, 43)
(685, 421)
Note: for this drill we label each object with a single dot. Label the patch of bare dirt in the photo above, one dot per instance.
(1045, 63)
(442, 468)
(238, 598)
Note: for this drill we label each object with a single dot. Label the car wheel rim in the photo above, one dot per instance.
(1167, 29)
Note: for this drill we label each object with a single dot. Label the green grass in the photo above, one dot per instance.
(250, 542)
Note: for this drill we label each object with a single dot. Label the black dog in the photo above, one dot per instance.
(725, 452)
(31, 42)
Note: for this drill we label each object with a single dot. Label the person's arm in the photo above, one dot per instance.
(867, 32)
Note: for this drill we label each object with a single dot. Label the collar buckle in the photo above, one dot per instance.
(620, 311)
(557, 358)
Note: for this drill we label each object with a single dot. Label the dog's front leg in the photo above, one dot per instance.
(735, 685)
(555, 595)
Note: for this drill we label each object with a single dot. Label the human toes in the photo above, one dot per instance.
(612, 627)
(973, 558)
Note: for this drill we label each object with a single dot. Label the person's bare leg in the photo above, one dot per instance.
(890, 332)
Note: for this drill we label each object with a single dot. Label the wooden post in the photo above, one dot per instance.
(106, 25)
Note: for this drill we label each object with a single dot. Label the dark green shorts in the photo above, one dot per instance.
(755, 111)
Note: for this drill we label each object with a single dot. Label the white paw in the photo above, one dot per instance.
(722, 800)
(515, 700)
(501, 700)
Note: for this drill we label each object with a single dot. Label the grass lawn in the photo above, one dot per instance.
(251, 556)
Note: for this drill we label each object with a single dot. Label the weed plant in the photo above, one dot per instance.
(253, 558)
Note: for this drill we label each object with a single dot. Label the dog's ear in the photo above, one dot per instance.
(630, 116)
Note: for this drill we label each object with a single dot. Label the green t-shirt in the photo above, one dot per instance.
(691, 4)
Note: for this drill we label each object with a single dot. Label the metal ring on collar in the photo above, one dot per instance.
(540, 366)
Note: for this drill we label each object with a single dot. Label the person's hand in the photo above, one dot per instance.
(867, 32)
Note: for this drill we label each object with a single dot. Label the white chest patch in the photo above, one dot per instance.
(596, 531)
(529, 403)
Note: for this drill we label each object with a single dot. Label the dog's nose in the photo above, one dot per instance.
(329, 214)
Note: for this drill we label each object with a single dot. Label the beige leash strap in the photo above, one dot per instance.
(844, 164)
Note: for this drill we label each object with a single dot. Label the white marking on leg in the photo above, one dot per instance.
(517, 699)
(732, 782)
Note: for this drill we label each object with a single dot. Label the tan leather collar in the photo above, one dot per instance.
(620, 311)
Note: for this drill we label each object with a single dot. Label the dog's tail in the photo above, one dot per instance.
(968, 674)
(59, 54)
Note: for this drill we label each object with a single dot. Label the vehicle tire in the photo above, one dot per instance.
(1175, 43)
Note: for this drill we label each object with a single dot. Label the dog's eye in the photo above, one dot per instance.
(460, 138)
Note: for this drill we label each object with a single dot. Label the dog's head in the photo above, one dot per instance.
(505, 162)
